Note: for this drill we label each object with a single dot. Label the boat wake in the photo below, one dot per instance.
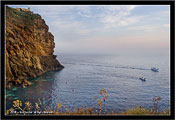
(98, 65)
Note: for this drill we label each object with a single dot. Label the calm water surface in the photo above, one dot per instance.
(86, 75)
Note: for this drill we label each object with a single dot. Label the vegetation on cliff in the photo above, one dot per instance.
(29, 47)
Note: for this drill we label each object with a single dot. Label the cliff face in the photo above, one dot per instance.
(29, 46)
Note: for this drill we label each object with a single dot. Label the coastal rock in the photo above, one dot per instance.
(25, 83)
(29, 47)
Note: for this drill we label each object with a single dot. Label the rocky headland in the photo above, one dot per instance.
(29, 47)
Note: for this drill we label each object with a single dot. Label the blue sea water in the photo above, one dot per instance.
(82, 78)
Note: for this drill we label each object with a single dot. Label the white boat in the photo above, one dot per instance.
(155, 69)
(143, 79)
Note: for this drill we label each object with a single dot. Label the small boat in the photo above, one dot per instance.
(142, 79)
(155, 69)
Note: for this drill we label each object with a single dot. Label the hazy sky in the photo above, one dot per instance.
(108, 29)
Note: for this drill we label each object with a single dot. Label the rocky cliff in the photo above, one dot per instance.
(29, 47)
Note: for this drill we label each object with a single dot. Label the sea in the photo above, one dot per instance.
(79, 83)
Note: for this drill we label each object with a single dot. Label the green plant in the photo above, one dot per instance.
(65, 110)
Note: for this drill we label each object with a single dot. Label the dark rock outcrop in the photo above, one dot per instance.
(29, 47)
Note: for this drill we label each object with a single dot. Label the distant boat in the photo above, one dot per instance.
(155, 69)
(143, 79)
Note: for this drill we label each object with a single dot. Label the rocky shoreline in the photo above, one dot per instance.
(29, 47)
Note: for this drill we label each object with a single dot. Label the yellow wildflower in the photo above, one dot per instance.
(99, 102)
(59, 105)
(101, 92)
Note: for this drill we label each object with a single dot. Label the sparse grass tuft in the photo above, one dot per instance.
(20, 17)
(137, 111)
(41, 108)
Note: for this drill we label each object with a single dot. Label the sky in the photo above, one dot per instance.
(107, 29)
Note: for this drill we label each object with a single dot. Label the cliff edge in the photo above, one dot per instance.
(29, 47)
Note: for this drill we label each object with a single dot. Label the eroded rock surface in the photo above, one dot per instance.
(29, 47)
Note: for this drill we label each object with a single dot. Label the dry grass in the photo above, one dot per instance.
(40, 107)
